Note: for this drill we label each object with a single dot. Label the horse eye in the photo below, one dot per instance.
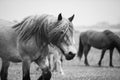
(62, 32)
(65, 38)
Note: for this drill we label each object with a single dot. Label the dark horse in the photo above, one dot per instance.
(105, 40)
(28, 41)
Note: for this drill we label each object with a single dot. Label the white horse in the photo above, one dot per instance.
(28, 42)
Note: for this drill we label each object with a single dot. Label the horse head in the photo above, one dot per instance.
(65, 42)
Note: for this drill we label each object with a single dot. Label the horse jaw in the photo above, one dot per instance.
(68, 55)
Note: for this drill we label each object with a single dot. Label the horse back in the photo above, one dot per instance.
(95, 39)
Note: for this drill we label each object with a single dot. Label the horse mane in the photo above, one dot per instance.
(45, 29)
(114, 38)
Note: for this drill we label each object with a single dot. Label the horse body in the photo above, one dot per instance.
(28, 41)
(105, 40)
(96, 39)
(8, 44)
(12, 51)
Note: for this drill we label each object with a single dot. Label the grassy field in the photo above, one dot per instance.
(75, 69)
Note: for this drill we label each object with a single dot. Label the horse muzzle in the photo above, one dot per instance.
(70, 56)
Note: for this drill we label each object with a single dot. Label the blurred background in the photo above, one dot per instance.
(88, 13)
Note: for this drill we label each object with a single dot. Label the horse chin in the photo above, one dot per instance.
(70, 56)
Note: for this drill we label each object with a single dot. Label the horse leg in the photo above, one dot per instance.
(60, 65)
(4, 70)
(111, 54)
(49, 59)
(54, 64)
(46, 73)
(102, 55)
(86, 50)
(26, 68)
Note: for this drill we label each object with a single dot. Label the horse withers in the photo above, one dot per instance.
(28, 41)
(106, 40)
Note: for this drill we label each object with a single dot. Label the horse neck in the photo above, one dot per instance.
(114, 38)
(117, 47)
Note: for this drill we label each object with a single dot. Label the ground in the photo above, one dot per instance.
(76, 70)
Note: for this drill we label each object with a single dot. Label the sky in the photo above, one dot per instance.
(87, 12)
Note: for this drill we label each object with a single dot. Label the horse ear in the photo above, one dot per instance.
(71, 18)
(60, 17)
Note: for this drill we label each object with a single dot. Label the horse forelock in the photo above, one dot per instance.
(62, 28)
(45, 29)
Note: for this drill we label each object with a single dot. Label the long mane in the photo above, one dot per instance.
(45, 29)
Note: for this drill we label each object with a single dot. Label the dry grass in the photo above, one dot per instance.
(75, 70)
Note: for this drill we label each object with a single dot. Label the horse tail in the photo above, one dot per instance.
(114, 38)
(80, 49)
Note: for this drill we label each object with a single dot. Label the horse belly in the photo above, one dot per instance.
(100, 45)
(10, 55)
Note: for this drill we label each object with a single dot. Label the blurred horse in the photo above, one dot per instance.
(55, 60)
(106, 40)
(28, 42)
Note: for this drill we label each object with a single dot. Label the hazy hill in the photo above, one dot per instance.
(99, 27)
(6, 23)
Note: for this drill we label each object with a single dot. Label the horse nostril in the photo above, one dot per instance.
(72, 54)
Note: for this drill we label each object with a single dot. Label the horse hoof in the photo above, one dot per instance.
(87, 64)
(111, 66)
(47, 76)
(99, 64)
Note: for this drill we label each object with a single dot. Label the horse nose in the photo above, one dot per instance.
(72, 49)
(70, 56)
